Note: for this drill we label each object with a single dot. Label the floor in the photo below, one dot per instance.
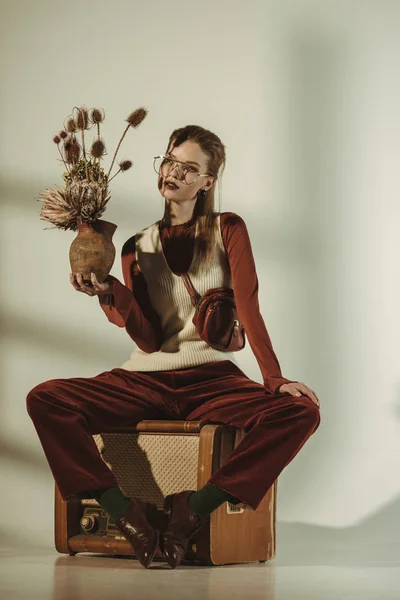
(304, 568)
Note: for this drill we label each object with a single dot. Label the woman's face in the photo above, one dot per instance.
(191, 153)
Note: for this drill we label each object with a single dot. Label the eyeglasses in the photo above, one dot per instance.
(185, 173)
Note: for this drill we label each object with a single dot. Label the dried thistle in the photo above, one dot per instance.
(82, 118)
(85, 194)
(123, 166)
(134, 120)
(137, 117)
(72, 151)
(71, 125)
(98, 148)
(82, 122)
(97, 116)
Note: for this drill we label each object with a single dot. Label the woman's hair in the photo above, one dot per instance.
(204, 209)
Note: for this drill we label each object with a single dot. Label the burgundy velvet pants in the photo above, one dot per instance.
(67, 412)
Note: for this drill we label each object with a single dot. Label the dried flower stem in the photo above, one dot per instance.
(114, 176)
(84, 156)
(62, 158)
(98, 135)
(120, 142)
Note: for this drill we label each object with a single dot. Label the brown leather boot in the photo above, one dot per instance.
(182, 526)
(138, 530)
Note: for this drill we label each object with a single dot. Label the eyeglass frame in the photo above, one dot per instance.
(173, 160)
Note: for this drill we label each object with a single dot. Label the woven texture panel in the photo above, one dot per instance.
(151, 466)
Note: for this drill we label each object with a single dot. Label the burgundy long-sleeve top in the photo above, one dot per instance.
(129, 305)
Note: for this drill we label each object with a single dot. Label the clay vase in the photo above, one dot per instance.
(93, 250)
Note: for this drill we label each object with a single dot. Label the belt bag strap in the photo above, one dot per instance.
(194, 295)
(216, 318)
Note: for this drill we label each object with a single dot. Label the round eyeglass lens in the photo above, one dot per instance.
(185, 173)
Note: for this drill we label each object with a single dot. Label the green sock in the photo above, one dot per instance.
(113, 501)
(96, 494)
(204, 501)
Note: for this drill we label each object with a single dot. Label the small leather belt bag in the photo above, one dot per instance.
(216, 318)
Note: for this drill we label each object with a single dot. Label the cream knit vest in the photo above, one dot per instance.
(182, 346)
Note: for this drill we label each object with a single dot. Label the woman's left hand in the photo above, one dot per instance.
(297, 388)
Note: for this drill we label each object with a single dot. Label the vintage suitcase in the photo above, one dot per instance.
(157, 458)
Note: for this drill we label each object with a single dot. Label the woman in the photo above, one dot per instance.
(173, 373)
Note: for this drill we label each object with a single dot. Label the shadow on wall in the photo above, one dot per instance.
(20, 193)
(69, 340)
(373, 541)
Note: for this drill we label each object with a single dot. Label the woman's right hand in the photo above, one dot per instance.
(97, 289)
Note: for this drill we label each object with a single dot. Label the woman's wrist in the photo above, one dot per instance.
(111, 281)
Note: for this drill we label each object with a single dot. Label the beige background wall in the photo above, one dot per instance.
(305, 96)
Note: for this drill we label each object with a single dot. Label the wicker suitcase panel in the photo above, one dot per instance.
(151, 466)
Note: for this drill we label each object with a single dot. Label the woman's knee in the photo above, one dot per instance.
(36, 396)
(303, 410)
(309, 410)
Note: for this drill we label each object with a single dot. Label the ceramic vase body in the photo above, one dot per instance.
(93, 250)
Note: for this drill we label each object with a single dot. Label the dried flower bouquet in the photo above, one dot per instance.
(83, 199)
(85, 194)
